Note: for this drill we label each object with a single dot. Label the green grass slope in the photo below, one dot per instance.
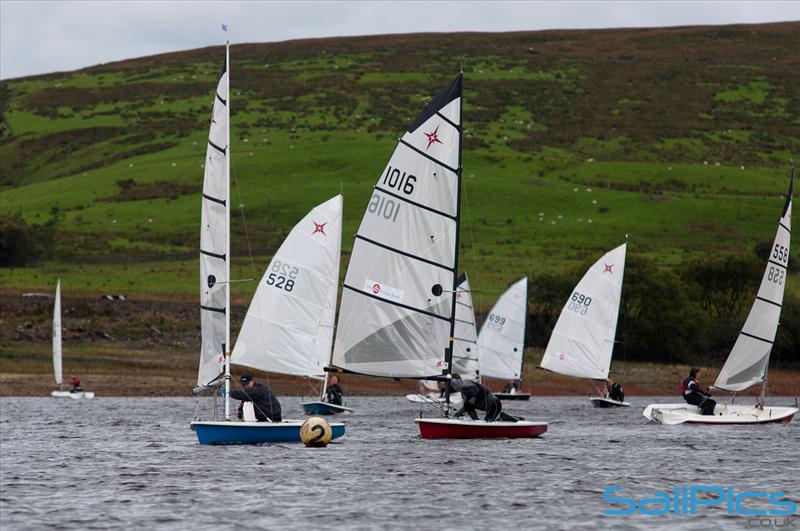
(679, 137)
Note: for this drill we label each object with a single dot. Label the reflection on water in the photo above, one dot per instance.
(134, 461)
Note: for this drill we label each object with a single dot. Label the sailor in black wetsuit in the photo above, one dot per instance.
(333, 394)
(476, 396)
(695, 395)
(615, 391)
(266, 406)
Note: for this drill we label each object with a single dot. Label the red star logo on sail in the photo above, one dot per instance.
(213, 121)
(433, 138)
(607, 268)
(319, 227)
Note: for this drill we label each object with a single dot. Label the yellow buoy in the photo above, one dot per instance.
(316, 432)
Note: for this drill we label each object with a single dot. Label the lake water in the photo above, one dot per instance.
(124, 462)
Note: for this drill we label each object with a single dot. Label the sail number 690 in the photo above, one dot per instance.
(579, 303)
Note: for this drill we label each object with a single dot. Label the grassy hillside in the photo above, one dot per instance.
(679, 137)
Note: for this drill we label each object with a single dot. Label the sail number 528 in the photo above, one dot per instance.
(775, 274)
(282, 276)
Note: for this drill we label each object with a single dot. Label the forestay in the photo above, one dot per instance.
(288, 328)
(747, 363)
(582, 341)
(57, 334)
(214, 241)
(396, 314)
(465, 338)
(501, 341)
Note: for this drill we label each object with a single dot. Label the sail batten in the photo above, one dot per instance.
(582, 341)
(396, 314)
(748, 361)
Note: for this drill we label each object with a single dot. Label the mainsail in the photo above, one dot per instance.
(57, 334)
(397, 313)
(502, 338)
(583, 338)
(214, 241)
(288, 328)
(465, 338)
(747, 363)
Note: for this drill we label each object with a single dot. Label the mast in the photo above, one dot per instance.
(448, 366)
(227, 345)
(524, 332)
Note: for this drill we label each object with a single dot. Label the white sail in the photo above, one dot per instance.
(396, 314)
(214, 247)
(501, 341)
(57, 335)
(583, 338)
(288, 328)
(465, 338)
(747, 363)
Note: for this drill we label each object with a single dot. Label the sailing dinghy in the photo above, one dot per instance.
(398, 312)
(301, 277)
(60, 393)
(748, 362)
(502, 339)
(582, 341)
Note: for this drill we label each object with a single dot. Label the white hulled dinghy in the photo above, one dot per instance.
(293, 305)
(748, 362)
(57, 353)
(582, 341)
(501, 342)
(398, 310)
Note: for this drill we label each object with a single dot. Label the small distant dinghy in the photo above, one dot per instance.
(748, 362)
(602, 402)
(398, 312)
(75, 395)
(501, 343)
(302, 277)
(582, 341)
